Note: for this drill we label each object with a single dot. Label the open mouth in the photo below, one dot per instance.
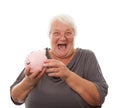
(62, 46)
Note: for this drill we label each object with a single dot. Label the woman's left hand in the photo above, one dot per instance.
(56, 68)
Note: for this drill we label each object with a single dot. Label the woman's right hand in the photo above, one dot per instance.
(32, 78)
(22, 89)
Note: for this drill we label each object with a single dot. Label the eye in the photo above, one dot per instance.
(56, 34)
(68, 33)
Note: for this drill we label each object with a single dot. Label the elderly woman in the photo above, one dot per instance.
(71, 77)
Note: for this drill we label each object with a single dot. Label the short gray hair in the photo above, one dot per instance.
(66, 19)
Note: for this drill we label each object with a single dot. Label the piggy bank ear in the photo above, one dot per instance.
(28, 62)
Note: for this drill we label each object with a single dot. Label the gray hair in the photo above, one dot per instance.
(66, 19)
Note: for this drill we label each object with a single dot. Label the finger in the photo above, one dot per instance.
(52, 74)
(35, 74)
(48, 60)
(41, 73)
(51, 69)
(27, 70)
(51, 63)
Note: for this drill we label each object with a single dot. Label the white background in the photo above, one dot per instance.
(24, 27)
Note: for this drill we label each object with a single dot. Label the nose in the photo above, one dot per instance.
(62, 37)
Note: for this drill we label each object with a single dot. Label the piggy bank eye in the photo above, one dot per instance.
(27, 62)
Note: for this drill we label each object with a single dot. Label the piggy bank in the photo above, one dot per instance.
(35, 60)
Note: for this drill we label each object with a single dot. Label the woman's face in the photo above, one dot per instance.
(62, 39)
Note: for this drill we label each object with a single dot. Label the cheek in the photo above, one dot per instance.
(53, 42)
(71, 41)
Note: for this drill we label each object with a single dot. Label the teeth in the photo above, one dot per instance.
(62, 46)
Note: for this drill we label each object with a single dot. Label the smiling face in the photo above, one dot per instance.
(62, 39)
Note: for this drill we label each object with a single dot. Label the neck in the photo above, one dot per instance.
(65, 59)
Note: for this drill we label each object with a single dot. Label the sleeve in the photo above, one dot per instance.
(19, 79)
(93, 73)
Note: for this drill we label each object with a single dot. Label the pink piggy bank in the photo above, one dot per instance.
(35, 60)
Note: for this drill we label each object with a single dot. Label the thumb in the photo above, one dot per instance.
(27, 70)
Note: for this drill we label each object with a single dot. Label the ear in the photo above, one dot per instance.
(50, 36)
